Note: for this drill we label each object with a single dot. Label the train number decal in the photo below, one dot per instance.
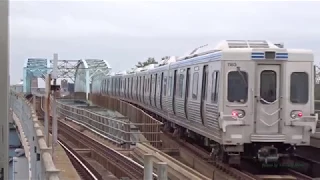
(232, 64)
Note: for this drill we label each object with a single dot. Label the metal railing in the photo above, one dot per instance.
(119, 129)
(38, 153)
(146, 123)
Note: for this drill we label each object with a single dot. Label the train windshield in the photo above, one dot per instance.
(299, 88)
(237, 86)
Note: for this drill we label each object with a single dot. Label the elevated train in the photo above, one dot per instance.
(241, 98)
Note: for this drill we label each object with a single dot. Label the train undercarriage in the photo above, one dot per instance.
(262, 153)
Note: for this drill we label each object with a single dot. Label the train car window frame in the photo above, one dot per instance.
(237, 92)
(204, 84)
(155, 84)
(144, 84)
(147, 85)
(131, 91)
(195, 80)
(137, 86)
(124, 85)
(140, 86)
(150, 86)
(299, 88)
(120, 84)
(215, 86)
(268, 86)
(180, 85)
(164, 86)
(159, 78)
(170, 86)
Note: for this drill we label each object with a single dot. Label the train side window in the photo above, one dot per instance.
(205, 82)
(144, 84)
(299, 88)
(180, 84)
(159, 79)
(237, 86)
(105, 86)
(137, 86)
(120, 85)
(147, 85)
(154, 84)
(164, 86)
(114, 85)
(128, 86)
(120, 81)
(140, 85)
(125, 85)
(195, 85)
(131, 86)
(150, 85)
(117, 86)
(111, 87)
(169, 86)
(107, 89)
(215, 87)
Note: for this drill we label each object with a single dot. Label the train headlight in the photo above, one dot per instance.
(296, 114)
(238, 113)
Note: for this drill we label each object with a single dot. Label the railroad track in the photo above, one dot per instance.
(75, 142)
(299, 176)
(176, 169)
(204, 156)
(83, 171)
(121, 165)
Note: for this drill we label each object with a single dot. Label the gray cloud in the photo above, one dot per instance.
(126, 32)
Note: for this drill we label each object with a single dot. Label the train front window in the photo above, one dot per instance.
(268, 86)
(299, 88)
(237, 86)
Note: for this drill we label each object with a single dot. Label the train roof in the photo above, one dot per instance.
(226, 46)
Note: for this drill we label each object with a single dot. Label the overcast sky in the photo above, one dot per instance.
(124, 33)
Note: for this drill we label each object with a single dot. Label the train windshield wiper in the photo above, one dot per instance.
(243, 78)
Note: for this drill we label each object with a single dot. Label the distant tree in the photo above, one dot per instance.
(150, 60)
(140, 64)
(130, 71)
(166, 57)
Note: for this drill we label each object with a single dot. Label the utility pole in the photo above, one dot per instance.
(4, 90)
(54, 89)
(47, 108)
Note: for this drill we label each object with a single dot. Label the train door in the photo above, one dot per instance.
(204, 89)
(267, 99)
(186, 95)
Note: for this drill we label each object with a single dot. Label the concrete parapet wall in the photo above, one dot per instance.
(37, 151)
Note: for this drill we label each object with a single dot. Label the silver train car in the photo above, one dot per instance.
(240, 98)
